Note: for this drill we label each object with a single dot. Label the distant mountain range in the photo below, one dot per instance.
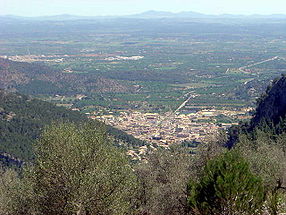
(152, 14)
(190, 14)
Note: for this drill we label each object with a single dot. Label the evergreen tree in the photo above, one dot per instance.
(226, 186)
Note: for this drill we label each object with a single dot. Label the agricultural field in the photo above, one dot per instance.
(148, 65)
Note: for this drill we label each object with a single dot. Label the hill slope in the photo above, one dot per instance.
(22, 118)
(39, 79)
(270, 114)
(271, 107)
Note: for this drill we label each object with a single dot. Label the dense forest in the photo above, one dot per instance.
(22, 119)
(78, 170)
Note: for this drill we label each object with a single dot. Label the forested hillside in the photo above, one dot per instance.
(78, 170)
(22, 118)
(40, 79)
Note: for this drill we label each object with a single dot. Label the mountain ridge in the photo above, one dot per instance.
(269, 115)
(271, 107)
(146, 15)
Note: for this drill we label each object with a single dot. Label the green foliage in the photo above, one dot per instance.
(29, 116)
(267, 159)
(262, 143)
(226, 186)
(163, 179)
(39, 87)
(77, 170)
(16, 194)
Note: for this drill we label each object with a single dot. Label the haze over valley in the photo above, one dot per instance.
(120, 111)
(195, 73)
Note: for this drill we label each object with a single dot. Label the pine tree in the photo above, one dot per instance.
(226, 186)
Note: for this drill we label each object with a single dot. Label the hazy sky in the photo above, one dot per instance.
(122, 7)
